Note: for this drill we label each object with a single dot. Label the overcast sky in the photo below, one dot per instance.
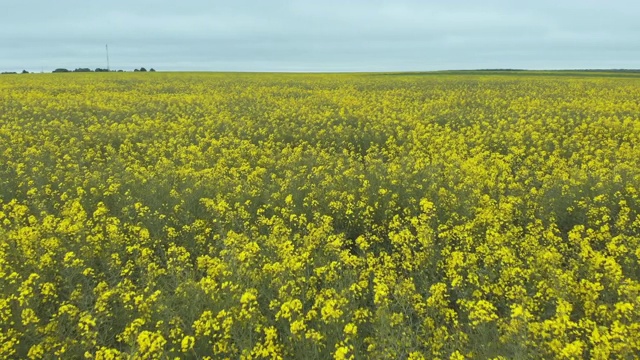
(327, 35)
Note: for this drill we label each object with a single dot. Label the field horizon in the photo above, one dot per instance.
(557, 72)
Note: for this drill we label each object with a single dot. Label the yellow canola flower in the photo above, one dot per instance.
(150, 345)
(350, 329)
(448, 215)
(248, 298)
(187, 343)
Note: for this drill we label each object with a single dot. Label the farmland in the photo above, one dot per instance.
(387, 216)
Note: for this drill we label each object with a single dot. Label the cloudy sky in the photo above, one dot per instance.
(328, 35)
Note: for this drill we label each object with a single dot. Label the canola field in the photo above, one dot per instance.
(353, 216)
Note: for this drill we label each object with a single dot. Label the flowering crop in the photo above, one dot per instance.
(319, 216)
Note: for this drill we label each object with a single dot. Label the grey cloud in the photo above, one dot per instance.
(332, 35)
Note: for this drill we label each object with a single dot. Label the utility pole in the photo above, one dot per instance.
(107, 47)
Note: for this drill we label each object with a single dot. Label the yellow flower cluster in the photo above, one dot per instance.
(258, 216)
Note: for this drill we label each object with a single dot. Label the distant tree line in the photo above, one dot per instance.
(63, 70)
(13, 72)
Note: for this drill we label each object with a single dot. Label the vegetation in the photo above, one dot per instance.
(319, 216)
(63, 70)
